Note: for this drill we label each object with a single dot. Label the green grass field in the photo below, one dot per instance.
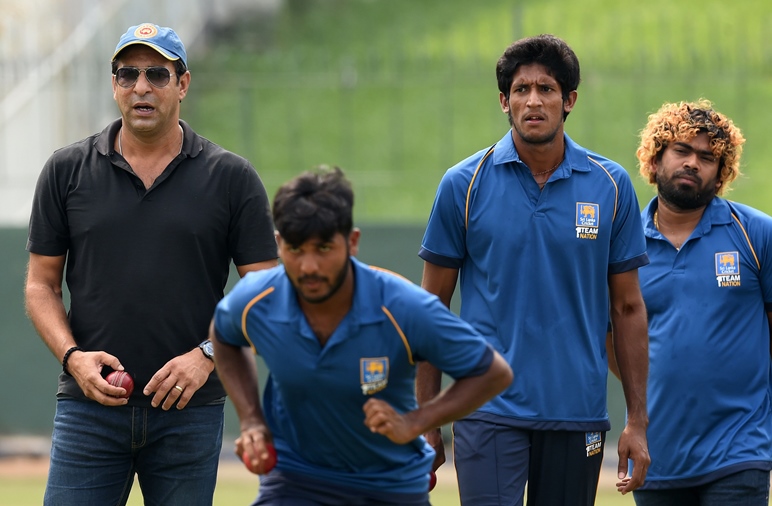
(235, 491)
(22, 484)
(235, 486)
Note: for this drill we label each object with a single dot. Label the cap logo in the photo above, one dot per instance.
(146, 31)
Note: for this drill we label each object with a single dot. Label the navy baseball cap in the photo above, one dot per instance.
(160, 38)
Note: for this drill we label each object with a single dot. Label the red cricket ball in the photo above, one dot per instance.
(432, 480)
(264, 466)
(121, 379)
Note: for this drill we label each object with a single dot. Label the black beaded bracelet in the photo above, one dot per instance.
(67, 357)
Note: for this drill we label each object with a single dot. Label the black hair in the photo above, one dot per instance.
(315, 204)
(547, 50)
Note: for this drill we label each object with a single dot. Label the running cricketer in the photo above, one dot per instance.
(342, 340)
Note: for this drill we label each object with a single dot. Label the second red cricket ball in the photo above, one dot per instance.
(264, 466)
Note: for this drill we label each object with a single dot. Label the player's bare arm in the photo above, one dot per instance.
(611, 354)
(458, 400)
(43, 300)
(631, 350)
(238, 372)
(441, 281)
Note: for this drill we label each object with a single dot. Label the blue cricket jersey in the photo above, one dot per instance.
(709, 372)
(534, 274)
(314, 396)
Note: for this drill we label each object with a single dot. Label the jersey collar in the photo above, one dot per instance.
(365, 307)
(192, 143)
(717, 212)
(576, 157)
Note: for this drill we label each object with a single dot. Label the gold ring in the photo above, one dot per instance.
(179, 388)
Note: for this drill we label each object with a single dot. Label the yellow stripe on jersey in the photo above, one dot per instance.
(244, 315)
(471, 183)
(616, 188)
(748, 239)
(401, 334)
(387, 271)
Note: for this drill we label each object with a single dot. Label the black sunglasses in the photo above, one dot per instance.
(126, 77)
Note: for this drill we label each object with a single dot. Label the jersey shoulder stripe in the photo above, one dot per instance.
(401, 334)
(244, 313)
(391, 316)
(471, 183)
(616, 188)
(747, 239)
(387, 271)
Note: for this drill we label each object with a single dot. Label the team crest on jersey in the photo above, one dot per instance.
(374, 374)
(728, 269)
(587, 220)
(593, 443)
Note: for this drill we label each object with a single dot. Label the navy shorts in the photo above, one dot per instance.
(288, 489)
(494, 462)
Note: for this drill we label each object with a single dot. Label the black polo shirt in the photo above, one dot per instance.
(145, 268)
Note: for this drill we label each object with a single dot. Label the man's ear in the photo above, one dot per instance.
(504, 102)
(279, 240)
(353, 241)
(184, 85)
(570, 102)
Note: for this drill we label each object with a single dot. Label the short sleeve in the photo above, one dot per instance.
(759, 228)
(440, 337)
(628, 243)
(227, 319)
(444, 242)
(251, 235)
(48, 229)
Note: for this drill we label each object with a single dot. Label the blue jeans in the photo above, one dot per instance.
(746, 488)
(96, 451)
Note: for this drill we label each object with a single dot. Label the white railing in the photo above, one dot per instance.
(55, 75)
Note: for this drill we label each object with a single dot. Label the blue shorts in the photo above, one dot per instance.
(494, 462)
(280, 488)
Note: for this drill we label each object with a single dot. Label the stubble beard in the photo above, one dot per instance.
(337, 283)
(685, 199)
(534, 140)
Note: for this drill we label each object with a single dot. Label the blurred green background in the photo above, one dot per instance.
(397, 91)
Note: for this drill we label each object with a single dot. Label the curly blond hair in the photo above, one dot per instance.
(681, 122)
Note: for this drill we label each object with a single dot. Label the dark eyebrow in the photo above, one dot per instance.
(690, 148)
(538, 82)
(315, 242)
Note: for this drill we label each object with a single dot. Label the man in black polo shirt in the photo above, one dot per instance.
(146, 216)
